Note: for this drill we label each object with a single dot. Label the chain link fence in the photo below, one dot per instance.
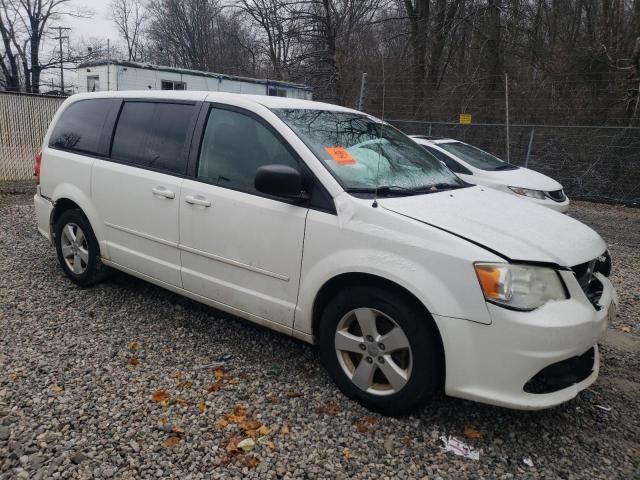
(599, 163)
(24, 120)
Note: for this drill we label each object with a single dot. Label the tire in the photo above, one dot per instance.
(78, 250)
(344, 349)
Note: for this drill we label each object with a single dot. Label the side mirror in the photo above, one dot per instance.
(280, 181)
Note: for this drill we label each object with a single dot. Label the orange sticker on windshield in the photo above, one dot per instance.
(340, 155)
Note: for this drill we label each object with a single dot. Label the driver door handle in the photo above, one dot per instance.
(197, 200)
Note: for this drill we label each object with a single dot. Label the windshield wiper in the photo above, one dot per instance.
(383, 190)
(506, 166)
(388, 190)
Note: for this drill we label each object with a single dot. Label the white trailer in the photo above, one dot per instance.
(100, 75)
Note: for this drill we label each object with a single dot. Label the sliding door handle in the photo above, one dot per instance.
(163, 192)
(197, 200)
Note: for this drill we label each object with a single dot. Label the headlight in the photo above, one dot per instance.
(526, 192)
(523, 287)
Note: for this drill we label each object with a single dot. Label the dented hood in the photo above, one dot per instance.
(514, 228)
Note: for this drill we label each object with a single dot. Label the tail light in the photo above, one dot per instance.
(36, 167)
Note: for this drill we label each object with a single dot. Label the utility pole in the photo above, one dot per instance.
(61, 37)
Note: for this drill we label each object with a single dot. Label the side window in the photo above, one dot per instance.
(153, 135)
(454, 166)
(80, 126)
(234, 146)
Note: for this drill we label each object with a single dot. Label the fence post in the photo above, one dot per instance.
(362, 87)
(526, 160)
(506, 107)
(430, 124)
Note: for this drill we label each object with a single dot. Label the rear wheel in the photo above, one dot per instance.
(381, 349)
(77, 248)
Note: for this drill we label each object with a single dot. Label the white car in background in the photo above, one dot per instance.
(481, 168)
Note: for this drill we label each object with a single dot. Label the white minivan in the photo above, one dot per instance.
(330, 225)
(478, 167)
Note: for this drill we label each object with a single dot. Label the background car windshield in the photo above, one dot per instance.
(363, 153)
(474, 156)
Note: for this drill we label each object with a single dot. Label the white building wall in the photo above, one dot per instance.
(132, 78)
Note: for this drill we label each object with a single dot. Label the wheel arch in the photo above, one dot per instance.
(344, 280)
(75, 200)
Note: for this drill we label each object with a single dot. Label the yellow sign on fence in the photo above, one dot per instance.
(465, 119)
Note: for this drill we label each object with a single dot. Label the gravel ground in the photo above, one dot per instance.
(120, 381)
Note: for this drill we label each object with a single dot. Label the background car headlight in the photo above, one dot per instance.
(523, 287)
(526, 192)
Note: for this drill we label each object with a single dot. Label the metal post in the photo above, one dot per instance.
(430, 124)
(526, 160)
(506, 101)
(108, 66)
(362, 87)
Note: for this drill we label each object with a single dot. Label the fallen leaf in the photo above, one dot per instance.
(178, 430)
(295, 394)
(346, 452)
(472, 432)
(13, 376)
(271, 445)
(232, 445)
(247, 444)
(626, 329)
(284, 429)
(250, 461)
(135, 361)
(202, 407)
(329, 408)
(264, 430)
(55, 388)
(370, 419)
(222, 423)
(163, 420)
(133, 346)
(183, 402)
(214, 387)
(249, 424)
(171, 442)
(218, 373)
(233, 381)
(361, 427)
(159, 396)
(274, 400)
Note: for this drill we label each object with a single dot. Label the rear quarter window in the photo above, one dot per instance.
(153, 135)
(80, 126)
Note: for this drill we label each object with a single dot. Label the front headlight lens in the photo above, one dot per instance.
(527, 192)
(523, 287)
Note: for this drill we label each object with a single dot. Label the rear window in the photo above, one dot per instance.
(80, 126)
(153, 135)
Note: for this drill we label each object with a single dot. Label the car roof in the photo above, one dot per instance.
(194, 95)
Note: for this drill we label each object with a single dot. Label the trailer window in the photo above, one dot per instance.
(172, 85)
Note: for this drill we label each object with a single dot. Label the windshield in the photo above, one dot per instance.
(476, 157)
(367, 155)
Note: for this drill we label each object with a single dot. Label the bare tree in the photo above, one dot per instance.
(24, 29)
(129, 17)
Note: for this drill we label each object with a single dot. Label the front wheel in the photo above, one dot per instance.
(381, 349)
